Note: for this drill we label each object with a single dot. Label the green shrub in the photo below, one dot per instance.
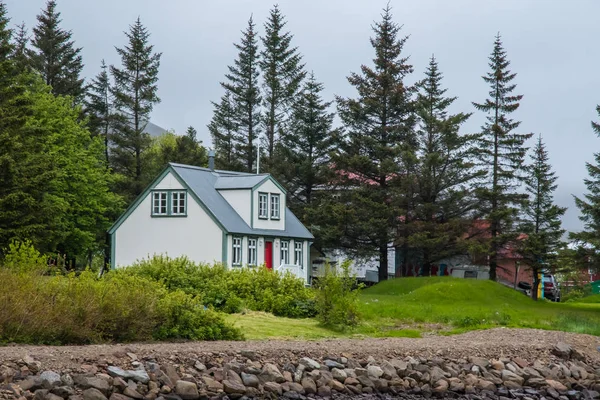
(337, 298)
(21, 256)
(79, 309)
(231, 291)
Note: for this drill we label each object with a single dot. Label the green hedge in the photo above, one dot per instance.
(233, 290)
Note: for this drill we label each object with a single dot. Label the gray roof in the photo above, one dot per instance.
(239, 181)
(203, 182)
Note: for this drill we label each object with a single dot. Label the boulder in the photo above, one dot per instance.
(186, 390)
(50, 379)
(497, 365)
(273, 387)
(337, 386)
(86, 382)
(309, 363)
(299, 373)
(52, 396)
(333, 364)
(389, 371)
(310, 387)
(137, 375)
(436, 374)
(233, 387)
(480, 362)
(440, 386)
(324, 391)
(249, 380)
(93, 394)
(562, 350)
(351, 382)
(556, 385)
(212, 385)
(485, 385)
(374, 371)
(63, 391)
(270, 373)
(339, 374)
(381, 385)
(131, 392)
(511, 376)
(296, 388)
(171, 372)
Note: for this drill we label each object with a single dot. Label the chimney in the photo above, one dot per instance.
(211, 160)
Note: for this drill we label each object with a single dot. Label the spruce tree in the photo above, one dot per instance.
(98, 107)
(379, 135)
(21, 40)
(243, 85)
(502, 150)
(588, 240)
(282, 72)
(223, 129)
(443, 201)
(134, 95)
(306, 148)
(55, 56)
(541, 217)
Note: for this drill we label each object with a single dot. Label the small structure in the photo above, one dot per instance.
(238, 219)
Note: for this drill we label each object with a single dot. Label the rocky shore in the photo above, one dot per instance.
(565, 373)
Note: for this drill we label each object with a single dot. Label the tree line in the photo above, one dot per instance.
(388, 166)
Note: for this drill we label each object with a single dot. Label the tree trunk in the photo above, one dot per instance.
(383, 262)
(536, 284)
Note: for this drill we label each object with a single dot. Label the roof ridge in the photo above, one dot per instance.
(218, 171)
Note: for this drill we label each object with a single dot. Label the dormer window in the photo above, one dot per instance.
(263, 205)
(275, 206)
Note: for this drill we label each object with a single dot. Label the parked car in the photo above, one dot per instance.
(550, 287)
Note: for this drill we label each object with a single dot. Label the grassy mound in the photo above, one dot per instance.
(466, 304)
(594, 299)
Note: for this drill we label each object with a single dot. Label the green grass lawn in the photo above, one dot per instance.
(410, 307)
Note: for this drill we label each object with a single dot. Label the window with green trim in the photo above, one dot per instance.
(285, 252)
(252, 252)
(263, 205)
(178, 203)
(275, 206)
(236, 256)
(160, 203)
(298, 253)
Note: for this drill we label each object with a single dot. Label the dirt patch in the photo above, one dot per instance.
(528, 344)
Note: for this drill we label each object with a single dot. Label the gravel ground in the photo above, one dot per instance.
(528, 344)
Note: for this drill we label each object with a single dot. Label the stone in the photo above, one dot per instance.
(86, 382)
(401, 366)
(32, 383)
(186, 390)
(337, 386)
(137, 375)
(497, 365)
(249, 354)
(457, 386)
(93, 394)
(50, 379)
(292, 395)
(365, 381)
(296, 387)
(273, 387)
(480, 362)
(590, 394)
(351, 382)
(389, 371)
(436, 374)
(310, 387)
(52, 396)
(270, 373)
(119, 383)
(63, 391)
(233, 387)
(309, 363)
(287, 375)
(562, 350)
(249, 380)
(33, 365)
(486, 385)
(440, 386)
(354, 389)
(67, 380)
(171, 372)
(118, 396)
(381, 385)
(324, 391)
(374, 371)
(339, 374)
(556, 385)
(333, 364)
(199, 366)
(299, 373)
(131, 392)
(511, 376)
(211, 384)
(521, 363)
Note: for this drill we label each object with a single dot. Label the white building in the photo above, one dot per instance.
(234, 218)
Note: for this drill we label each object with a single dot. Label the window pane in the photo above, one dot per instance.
(274, 206)
(262, 205)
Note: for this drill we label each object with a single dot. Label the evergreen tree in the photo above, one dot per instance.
(282, 72)
(242, 83)
(503, 151)
(189, 149)
(588, 240)
(306, 148)
(444, 172)
(379, 134)
(55, 56)
(98, 107)
(134, 95)
(223, 129)
(542, 218)
(21, 41)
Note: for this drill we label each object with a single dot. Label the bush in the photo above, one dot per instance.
(337, 298)
(79, 309)
(257, 289)
(21, 256)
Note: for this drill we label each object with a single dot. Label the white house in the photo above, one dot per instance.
(234, 218)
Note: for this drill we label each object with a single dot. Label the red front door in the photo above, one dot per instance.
(269, 254)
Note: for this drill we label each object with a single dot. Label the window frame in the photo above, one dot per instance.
(286, 259)
(156, 195)
(252, 251)
(169, 206)
(299, 249)
(178, 193)
(235, 247)
(273, 196)
(266, 197)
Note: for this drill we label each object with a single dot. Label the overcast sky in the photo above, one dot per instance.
(552, 46)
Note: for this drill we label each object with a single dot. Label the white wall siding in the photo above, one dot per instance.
(141, 236)
(269, 187)
(169, 182)
(240, 201)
